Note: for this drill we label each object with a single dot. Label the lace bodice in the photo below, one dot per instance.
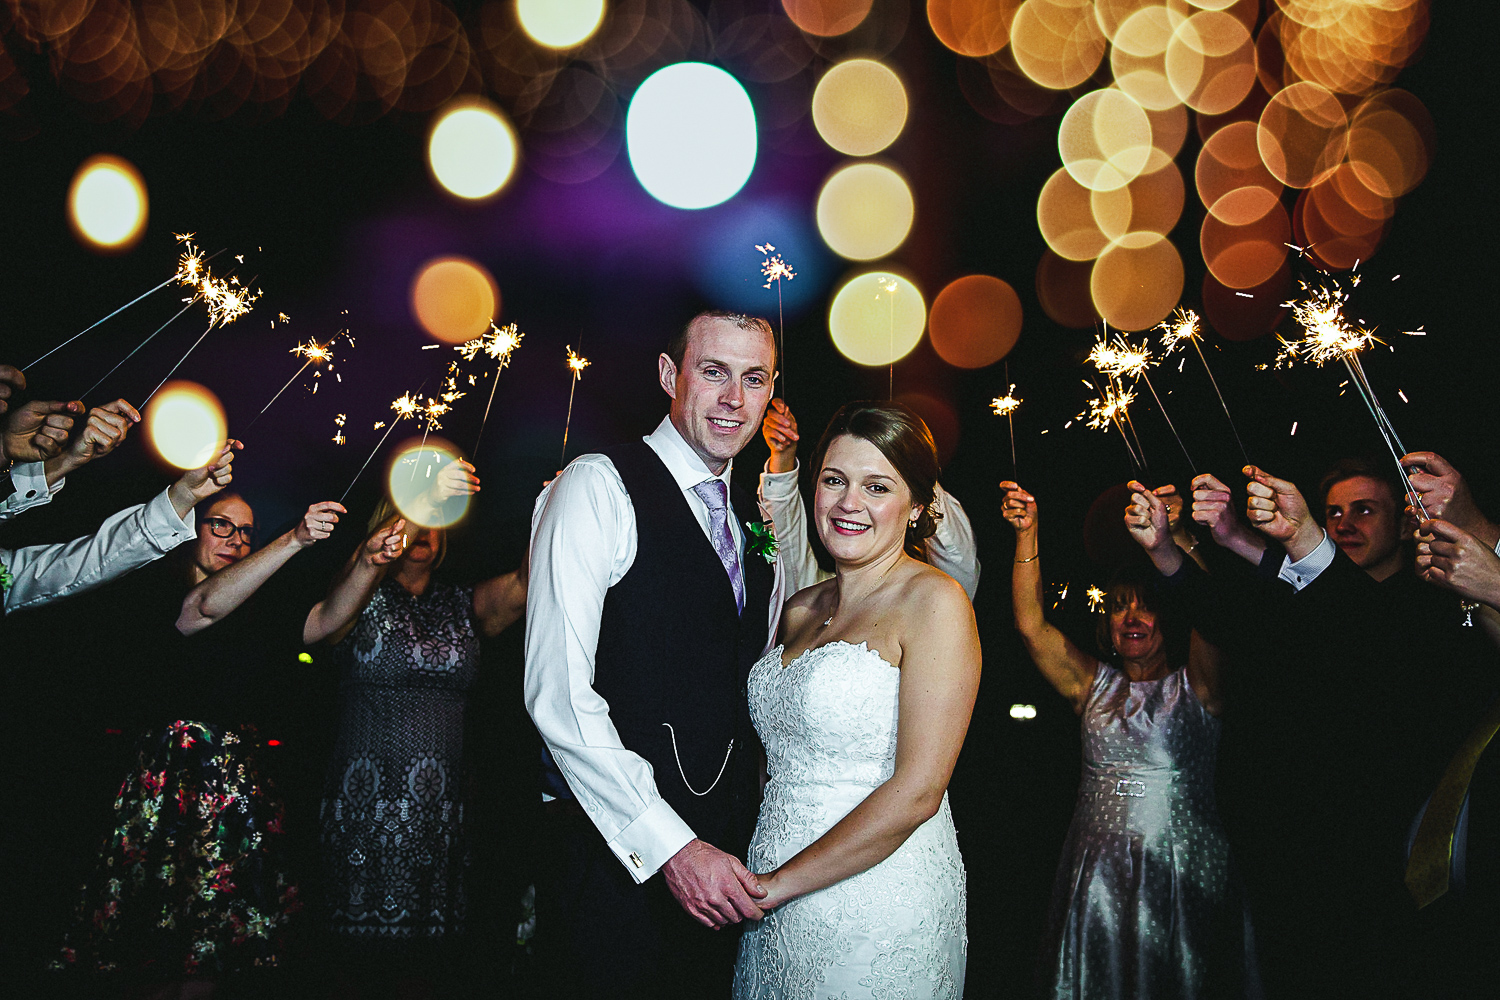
(828, 722)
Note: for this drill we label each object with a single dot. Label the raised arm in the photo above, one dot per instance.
(940, 662)
(1066, 667)
(334, 615)
(227, 589)
(1147, 521)
(952, 547)
(1445, 495)
(126, 541)
(501, 600)
(782, 500)
(1451, 557)
(1213, 507)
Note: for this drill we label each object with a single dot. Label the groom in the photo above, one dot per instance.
(649, 602)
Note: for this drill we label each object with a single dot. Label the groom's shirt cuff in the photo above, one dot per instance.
(651, 840)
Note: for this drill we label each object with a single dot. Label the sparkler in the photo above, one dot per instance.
(890, 285)
(338, 435)
(1096, 598)
(1328, 335)
(774, 269)
(315, 353)
(577, 364)
(227, 300)
(1106, 409)
(406, 405)
(435, 408)
(1121, 359)
(1005, 406)
(189, 266)
(497, 345)
(1183, 327)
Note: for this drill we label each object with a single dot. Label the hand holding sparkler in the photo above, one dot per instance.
(386, 545)
(1451, 557)
(1277, 509)
(1213, 507)
(197, 485)
(318, 523)
(1147, 521)
(1442, 491)
(102, 433)
(37, 430)
(780, 431)
(1019, 510)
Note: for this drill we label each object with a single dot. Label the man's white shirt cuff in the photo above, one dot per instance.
(31, 490)
(1307, 569)
(778, 485)
(650, 840)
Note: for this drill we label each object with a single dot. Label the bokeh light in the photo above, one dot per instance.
(827, 18)
(859, 107)
(1065, 216)
(560, 24)
(972, 27)
(454, 299)
(1303, 134)
(185, 423)
(1148, 206)
(975, 321)
(1247, 255)
(1211, 62)
(107, 203)
(941, 418)
(877, 318)
(691, 135)
(1062, 287)
(1139, 57)
(1390, 142)
(1104, 139)
(1057, 43)
(413, 469)
(865, 211)
(1233, 183)
(472, 150)
(1136, 286)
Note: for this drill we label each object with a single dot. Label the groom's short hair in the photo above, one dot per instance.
(677, 346)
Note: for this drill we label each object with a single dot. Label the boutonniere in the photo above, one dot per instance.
(762, 540)
(6, 579)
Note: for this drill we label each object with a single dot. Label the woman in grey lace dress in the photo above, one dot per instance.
(862, 708)
(1145, 904)
(392, 825)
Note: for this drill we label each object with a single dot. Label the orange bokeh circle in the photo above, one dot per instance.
(975, 321)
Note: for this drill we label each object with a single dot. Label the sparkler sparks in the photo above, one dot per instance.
(406, 405)
(775, 269)
(1005, 405)
(1096, 598)
(576, 365)
(1109, 408)
(1120, 359)
(1327, 334)
(497, 345)
(1183, 327)
(338, 435)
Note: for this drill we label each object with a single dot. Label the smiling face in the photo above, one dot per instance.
(862, 505)
(1134, 629)
(213, 553)
(1364, 520)
(721, 389)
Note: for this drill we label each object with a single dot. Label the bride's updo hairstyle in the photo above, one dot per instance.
(904, 440)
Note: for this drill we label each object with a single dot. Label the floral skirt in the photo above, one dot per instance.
(190, 879)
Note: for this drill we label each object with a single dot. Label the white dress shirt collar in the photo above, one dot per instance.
(687, 469)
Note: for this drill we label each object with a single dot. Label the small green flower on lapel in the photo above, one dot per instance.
(762, 541)
(6, 579)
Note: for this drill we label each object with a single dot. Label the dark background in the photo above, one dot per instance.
(335, 218)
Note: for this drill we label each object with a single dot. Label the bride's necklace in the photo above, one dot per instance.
(838, 602)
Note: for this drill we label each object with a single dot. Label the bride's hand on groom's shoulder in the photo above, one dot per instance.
(713, 887)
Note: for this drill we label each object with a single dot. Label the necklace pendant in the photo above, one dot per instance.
(828, 622)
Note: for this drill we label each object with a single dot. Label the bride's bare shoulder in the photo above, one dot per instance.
(932, 593)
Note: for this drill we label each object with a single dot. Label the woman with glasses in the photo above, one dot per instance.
(192, 881)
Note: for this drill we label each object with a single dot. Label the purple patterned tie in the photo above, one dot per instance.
(715, 496)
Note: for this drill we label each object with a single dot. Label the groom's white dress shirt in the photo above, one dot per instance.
(583, 541)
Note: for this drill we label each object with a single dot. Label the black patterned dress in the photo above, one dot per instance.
(392, 825)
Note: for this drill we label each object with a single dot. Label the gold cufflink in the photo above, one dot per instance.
(635, 859)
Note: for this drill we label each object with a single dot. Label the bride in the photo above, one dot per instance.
(862, 709)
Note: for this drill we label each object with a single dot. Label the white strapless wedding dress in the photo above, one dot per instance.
(897, 930)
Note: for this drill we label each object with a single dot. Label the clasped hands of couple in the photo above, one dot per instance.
(716, 889)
